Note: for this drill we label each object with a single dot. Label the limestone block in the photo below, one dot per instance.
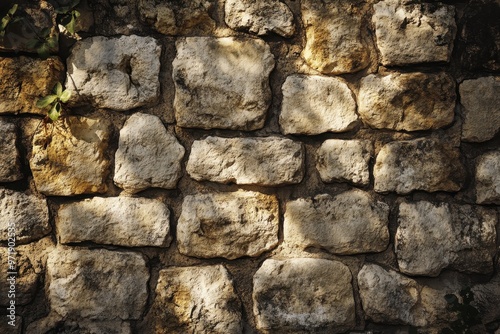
(147, 155)
(115, 73)
(303, 294)
(349, 223)
(407, 101)
(222, 82)
(267, 161)
(69, 158)
(314, 104)
(229, 225)
(259, 17)
(411, 33)
(480, 99)
(488, 178)
(420, 164)
(10, 166)
(344, 160)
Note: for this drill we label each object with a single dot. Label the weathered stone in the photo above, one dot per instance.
(10, 167)
(303, 295)
(24, 80)
(116, 73)
(228, 225)
(16, 327)
(147, 155)
(23, 217)
(334, 43)
(487, 299)
(433, 237)
(222, 82)
(420, 164)
(480, 99)
(56, 323)
(315, 104)
(349, 223)
(123, 221)
(259, 17)
(344, 160)
(69, 158)
(407, 101)
(194, 300)
(267, 161)
(410, 33)
(97, 284)
(488, 178)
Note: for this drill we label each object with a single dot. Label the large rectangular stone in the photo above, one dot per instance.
(10, 167)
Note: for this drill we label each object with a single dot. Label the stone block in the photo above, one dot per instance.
(488, 178)
(10, 166)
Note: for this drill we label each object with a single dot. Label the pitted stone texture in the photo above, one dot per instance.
(194, 300)
(480, 99)
(267, 161)
(222, 82)
(344, 160)
(24, 80)
(56, 323)
(420, 164)
(487, 298)
(334, 43)
(27, 214)
(5, 327)
(349, 223)
(314, 104)
(97, 284)
(259, 17)
(122, 221)
(411, 33)
(69, 158)
(10, 167)
(115, 73)
(147, 155)
(407, 101)
(303, 294)
(433, 237)
(488, 178)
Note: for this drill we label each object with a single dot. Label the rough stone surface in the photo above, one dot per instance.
(334, 43)
(265, 161)
(24, 80)
(228, 225)
(259, 17)
(303, 294)
(56, 323)
(487, 298)
(407, 101)
(5, 327)
(194, 300)
(123, 221)
(410, 33)
(432, 237)
(222, 82)
(115, 73)
(28, 214)
(488, 178)
(10, 167)
(96, 284)
(349, 223)
(147, 155)
(480, 99)
(344, 160)
(420, 164)
(315, 104)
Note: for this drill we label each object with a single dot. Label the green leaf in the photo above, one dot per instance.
(13, 9)
(76, 13)
(58, 89)
(70, 27)
(33, 43)
(43, 51)
(45, 101)
(65, 96)
(45, 32)
(55, 112)
(52, 42)
(5, 22)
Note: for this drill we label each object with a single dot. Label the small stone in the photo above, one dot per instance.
(222, 83)
(259, 17)
(121, 221)
(229, 225)
(344, 161)
(147, 155)
(407, 101)
(314, 104)
(420, 164)
(488, 178)
(303, 294)
(115, 73)
(10, 166)
(412, 33)
(349, 223)
(267, 161)
(480, 99)
(487, 299)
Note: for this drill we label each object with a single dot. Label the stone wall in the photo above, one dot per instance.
(254, 166)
